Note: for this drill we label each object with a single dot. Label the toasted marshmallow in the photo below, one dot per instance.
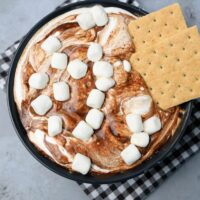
(85, 21)
(102, 69)
(59, 61)
(54, 125)
(94, 118)
(77, 69)
(130, 154)
(95, 99)
(81, 163)
(94, 52)
(61, 91)
(38, 80)
(140, 139)
(104, 84)
(51, 44)
(152, 125)
(127, 66)
(83, 131)
(41, 104)
(134, 123)
(139, 105)
(99, 15)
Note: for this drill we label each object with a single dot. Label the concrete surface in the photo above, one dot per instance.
(21, 176)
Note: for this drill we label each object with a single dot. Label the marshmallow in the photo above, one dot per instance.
(140, 139)
(127, 66)
(51, 44)
(54, 125)
(117, 63)
(85, 21)
(134, 123)
(94, 52)
(102, 69)
(81, 163)
(99, 15)
(95, 99)
(104, 84)
(38, 80)
(139, 105)
(77, 69)
(82, 131)
(152, 125)
(59, 61)
(41, 104)
(61, 91)
(94, 118)
(130, 154)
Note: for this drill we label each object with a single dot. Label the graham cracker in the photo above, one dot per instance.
(171, 68)
(150, 29)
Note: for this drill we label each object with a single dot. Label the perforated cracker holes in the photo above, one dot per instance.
(173, 69)
(149, 29)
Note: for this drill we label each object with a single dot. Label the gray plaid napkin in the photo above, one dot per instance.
(140, 187)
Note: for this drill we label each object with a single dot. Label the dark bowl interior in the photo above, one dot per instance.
(47, 162)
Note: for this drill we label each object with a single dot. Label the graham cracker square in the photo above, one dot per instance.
(171, 68)
(150, 29)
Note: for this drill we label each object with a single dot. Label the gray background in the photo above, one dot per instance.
(21, 176)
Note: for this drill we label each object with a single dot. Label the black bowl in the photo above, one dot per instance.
(47, 162)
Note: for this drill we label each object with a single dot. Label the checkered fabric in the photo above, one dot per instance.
(140, 187)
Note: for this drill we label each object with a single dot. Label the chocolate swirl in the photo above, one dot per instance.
(105, 146)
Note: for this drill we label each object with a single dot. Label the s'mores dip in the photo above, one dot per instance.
(80, 98)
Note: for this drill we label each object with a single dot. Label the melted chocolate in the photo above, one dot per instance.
(113, 136)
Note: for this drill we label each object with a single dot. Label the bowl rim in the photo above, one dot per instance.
(19, 129)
